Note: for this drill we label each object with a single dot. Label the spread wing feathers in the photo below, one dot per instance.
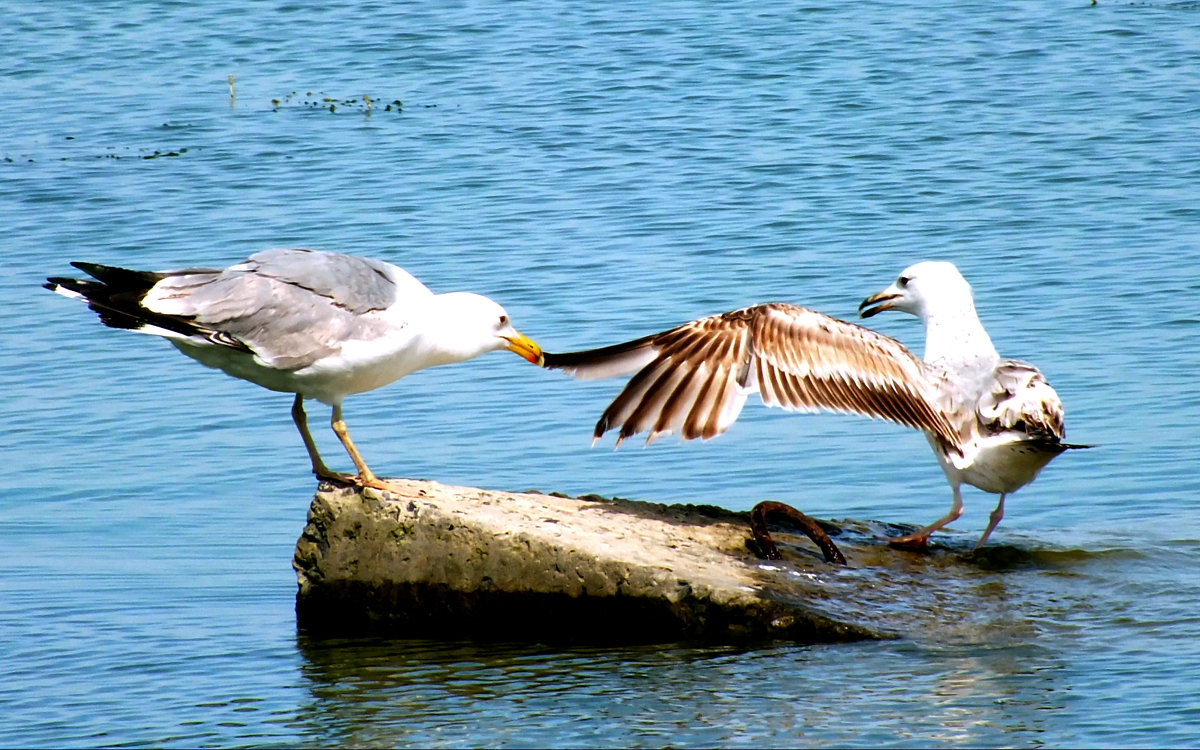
(808, 361)
(697, 384)
(696, 377)
(1021, 401)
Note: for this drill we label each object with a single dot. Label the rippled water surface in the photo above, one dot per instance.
(604, 170)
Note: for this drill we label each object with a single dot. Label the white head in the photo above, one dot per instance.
(928, 289)
(466, 325)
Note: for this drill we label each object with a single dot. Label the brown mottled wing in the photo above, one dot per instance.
(807, 361)
(693, 378)
(696, 377)
(1021, 401)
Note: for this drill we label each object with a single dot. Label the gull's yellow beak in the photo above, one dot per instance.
(525, 347)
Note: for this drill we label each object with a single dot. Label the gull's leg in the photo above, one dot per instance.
(920, 538)
(993, 519)
(365, 477)
(318, 466)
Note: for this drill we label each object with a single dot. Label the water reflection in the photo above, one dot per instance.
(380, 692)
(981, 664)
(407, 692)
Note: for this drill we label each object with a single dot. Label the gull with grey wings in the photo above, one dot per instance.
(317, 324)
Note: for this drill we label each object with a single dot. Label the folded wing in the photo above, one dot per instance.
(1021, 401)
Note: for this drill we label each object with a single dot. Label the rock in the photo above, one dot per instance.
(430, 559)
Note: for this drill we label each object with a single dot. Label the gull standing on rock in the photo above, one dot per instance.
(317, 324)
(992, 423)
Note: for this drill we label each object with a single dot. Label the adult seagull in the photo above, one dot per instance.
(317, 324)
(992, 423)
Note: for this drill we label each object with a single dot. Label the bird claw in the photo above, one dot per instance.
(372, 482)
(912, 541)
(353, 480)
(336, 477)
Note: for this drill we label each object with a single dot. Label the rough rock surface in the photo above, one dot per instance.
(430, 559)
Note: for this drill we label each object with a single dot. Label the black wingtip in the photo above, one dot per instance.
(97, 271)
(601, 427)
(586, 357)
(117, 304)
(121, 279)
(78, 286)
(552, 361)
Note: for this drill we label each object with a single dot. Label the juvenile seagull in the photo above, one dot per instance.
(992, 423)
(317, 324)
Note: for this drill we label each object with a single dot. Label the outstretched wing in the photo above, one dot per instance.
(694, 379)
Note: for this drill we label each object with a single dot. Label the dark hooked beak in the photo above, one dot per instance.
(877, 303)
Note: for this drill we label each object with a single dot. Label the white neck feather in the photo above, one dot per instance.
(954, 337)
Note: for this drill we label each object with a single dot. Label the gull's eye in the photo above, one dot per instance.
(503, 320)
(902, 281)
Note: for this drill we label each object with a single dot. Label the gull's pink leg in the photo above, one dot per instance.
(919, 539)
(993, 519)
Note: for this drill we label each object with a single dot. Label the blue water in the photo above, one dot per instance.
(604, 170)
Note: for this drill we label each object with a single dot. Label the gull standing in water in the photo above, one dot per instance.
(992, 423)
(317, 324)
